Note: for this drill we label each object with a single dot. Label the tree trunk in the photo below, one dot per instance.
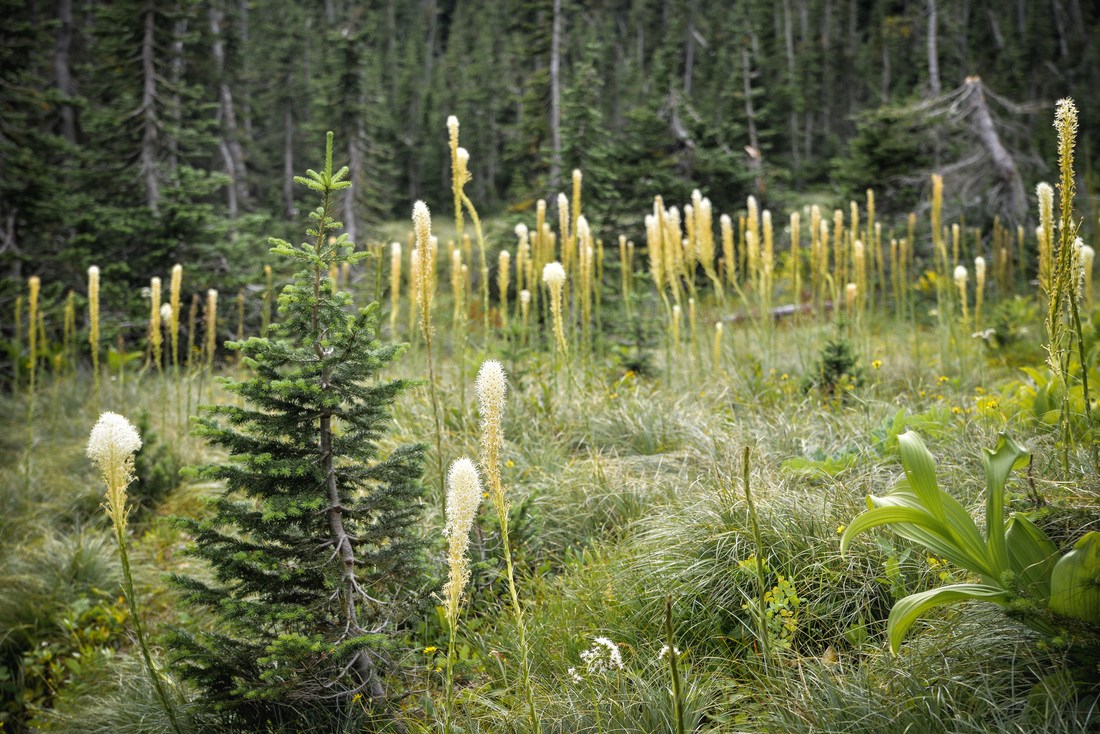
(420, 100)
(228, 143)
(689, 50)
(885, 69)
(933, 53)
(175, 105)
(63, 69)
(1016, 201)
(288, 160)
(355, 175)
(246, 97)
(555, 99)
(750, 113)
(148, 110)
(753, 150)
(792, 122)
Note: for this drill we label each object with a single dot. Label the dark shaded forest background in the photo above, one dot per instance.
(135, 134)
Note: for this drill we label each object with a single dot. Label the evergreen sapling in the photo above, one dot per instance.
(313, 546)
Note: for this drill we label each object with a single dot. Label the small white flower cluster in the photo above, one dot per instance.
(664, 651)
(113, 441)
(603, 656)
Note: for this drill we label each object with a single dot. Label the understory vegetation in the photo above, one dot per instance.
(820, 471)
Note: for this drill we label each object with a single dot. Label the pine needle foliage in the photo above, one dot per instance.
(312, 547)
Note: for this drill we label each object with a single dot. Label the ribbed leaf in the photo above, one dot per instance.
(891, 515)
(908, 610)
(959, 541)
(920, 470)
(1031, 556)
(998, 465)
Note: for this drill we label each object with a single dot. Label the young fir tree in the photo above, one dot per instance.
(312, 547)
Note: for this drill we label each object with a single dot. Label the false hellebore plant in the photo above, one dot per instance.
(1019, 567)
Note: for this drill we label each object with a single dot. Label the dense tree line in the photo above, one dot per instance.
(136, 133)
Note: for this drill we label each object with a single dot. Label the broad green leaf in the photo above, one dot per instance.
(998, 465)
(920, 470)
(1031, 556)
(1075, 581)
(890, 515)
(960, 542)
(908, 610)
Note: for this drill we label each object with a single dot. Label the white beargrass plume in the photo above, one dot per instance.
(504, 272)
(979, 288)
(459, 173)
(563, 232)
(1045, 234)
(395, 286)
(34, 287)
(524, 310)
(851, 292)
(424, 276)
(111, 447)
(463, 499)
(523, 256)
(211, 327)
(93, 320)
(728, 255)
(1087, 255)
(154, 322)
(175, 285)
(961, 276)
(553, 275)
(492, 388)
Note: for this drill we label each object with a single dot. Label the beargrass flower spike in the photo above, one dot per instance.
(111, 447)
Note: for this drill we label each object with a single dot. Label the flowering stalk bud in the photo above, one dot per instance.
(34, 286)
(504, 272)
(211, 327)
(553, 275)
(960, 276)
(93, 320)
(175, 284)
(154, 322)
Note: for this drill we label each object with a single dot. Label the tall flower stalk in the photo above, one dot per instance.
(111, 447)
(93, 322)
(424, 273)
(463, 499)
(491, 392)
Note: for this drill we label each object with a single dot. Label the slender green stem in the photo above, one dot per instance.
(762, 584)
(139, 630)
(449, 681)
(521, 629)
(673, 664)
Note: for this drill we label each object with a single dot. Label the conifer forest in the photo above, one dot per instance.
(549, 366)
